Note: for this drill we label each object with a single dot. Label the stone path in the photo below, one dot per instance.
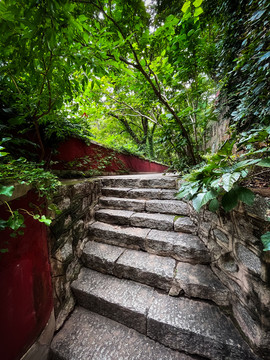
(146, 290)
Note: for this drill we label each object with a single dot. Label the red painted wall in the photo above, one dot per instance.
(77, 149)
(26, 298)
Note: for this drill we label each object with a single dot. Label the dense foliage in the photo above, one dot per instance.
(148, 79)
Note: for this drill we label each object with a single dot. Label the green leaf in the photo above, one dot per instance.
(186, 6)
(264, 162)
(198, 12)
(197, 3)
(228, 180)
(15, 221)
(214, 205)
(3, 153)
(45, 220)
(202, 199)
(265, 238)
(229, 200)
(6, 190)
(245, 195)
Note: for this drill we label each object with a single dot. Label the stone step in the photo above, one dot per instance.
(87, 335)
(146, 181)
(179, 323)
(131, 193)
(165, 222)
(176, 207)
(157, 271)
(180, 246)
(199, 281)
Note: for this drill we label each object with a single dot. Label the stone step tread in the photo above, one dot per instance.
(179, 323)
(199, 281)
(181, 246)
(154, 181)
(87, 335)
(119, 299)
(156, 271)
(131, 193)
(176, 207)
(150, 269)
(158, 221)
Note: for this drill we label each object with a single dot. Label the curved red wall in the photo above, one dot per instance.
(25, 283)
(77, 149)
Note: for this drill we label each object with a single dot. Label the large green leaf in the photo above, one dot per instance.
(214, 205)
(186, 6)
(198, 12)
(228, 180)
(202, 199)
(197, 3)
(245, 195)
(264, 162)
(229, 200)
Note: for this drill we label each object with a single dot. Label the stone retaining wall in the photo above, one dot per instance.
(76, 200)
(241, 264)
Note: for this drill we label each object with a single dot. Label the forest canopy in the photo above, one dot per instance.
(145, 77)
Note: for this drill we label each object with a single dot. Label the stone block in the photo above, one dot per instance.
(126, 204)
(251, 261)
(204, 229)
(65, 253)
(167, 194)
(153, 270)
(221, 238)
(117, 235)
(260, 208)
(122, 300)
(87, 335)
(195, 327)
(115, 192)
(152, 221)
(101, 257)
(167, 207)
(184, 224)
(200, 282)
(119, 217)
(61, 241)
(249, 326)
(183, 247)
(144, 194)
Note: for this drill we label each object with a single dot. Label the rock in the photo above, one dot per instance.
(184, 224)
(119, 217)
(122, 300)
(195, 327)
(200, 282)
(167, 207)
(152, 221)
(87, 335)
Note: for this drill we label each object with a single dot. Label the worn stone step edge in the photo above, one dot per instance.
(165, 222)
(176, 207)
(157, 271)
(180, 246)
(158, 194)
(161, 182)
(181, 324)
(87, 335)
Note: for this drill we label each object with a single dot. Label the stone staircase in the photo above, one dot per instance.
(146, 290)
